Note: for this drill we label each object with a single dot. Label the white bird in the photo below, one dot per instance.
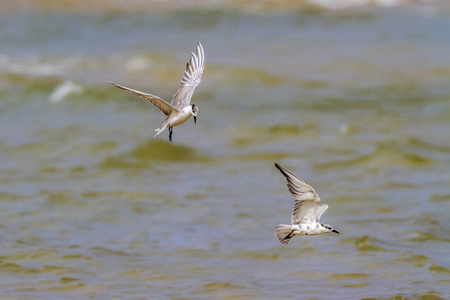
(180, 109)
(307, 210)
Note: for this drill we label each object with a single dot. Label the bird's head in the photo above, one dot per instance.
(195, 111)
(329, 228)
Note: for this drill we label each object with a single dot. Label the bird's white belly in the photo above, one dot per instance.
(308, 229)
(178, 119)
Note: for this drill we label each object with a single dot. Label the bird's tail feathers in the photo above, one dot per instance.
(284, 233)
(160, 129)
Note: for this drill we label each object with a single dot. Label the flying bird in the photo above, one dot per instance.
(307, 210)
(180, 109)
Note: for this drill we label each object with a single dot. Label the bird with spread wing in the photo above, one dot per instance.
(307, 210)
(180, 109)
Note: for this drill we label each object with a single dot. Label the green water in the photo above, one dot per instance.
(355, 102)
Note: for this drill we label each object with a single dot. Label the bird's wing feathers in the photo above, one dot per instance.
(191, 78)
(304, 212)
(320, 210)
(306, 198)
(165, 107)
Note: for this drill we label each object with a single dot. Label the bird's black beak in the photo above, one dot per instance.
(335, 231)
(195, 120)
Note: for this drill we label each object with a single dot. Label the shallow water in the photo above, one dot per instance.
(355, 102)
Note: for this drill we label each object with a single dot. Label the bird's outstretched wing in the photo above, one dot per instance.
(306, 198)
(191, 78)
(320, 210)
(163, 106)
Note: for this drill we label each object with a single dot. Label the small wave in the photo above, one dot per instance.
(65, 90)
(367, 243)
(154, 150)
(342, 4)
(384, 156)
(32, 66)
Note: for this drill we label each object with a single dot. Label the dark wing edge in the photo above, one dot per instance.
(298, 188)
(162, 105)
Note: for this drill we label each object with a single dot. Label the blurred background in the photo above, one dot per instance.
(353, 96)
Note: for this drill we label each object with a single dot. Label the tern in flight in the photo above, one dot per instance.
(307, 210)
(180, 109)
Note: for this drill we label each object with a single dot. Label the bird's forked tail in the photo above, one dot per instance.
(284, 233)
(161, 129)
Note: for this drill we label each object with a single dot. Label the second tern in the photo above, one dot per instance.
(307, 210)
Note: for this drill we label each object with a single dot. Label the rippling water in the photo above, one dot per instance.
(356, 102)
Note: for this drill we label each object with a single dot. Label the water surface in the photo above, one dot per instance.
(356, 102)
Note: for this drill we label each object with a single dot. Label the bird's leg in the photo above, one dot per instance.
(290, 235)
(170, 134)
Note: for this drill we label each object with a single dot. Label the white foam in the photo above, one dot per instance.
(342, 4)
(64, 90)
(138, 63)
